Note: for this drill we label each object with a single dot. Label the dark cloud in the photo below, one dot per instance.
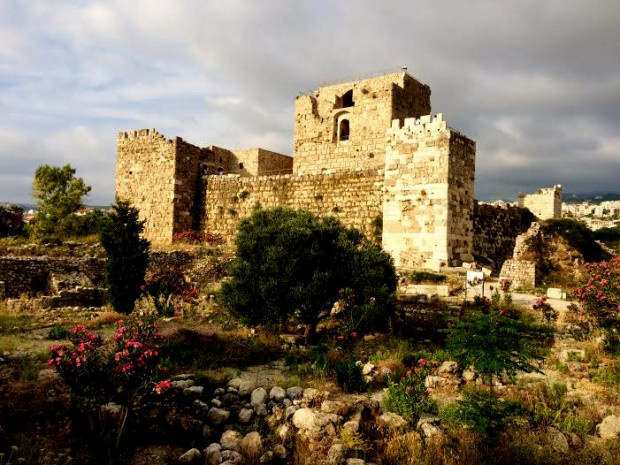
(536, 84)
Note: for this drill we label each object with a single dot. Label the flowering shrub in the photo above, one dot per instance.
(194, 237)
(409, 397)
(599, 292)
(99, 372)
(168, 288)
(548, 313)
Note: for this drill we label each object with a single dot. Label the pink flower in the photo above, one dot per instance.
(162, 386)
(353, 335)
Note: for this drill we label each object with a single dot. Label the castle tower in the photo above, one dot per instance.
(428, 194)
(546, 203)
(342, 126)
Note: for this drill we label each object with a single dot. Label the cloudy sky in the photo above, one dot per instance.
(535, 83)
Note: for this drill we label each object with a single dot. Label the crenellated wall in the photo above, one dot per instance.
(429, 194)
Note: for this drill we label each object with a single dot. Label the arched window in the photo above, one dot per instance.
(343, 129)
(347, 99)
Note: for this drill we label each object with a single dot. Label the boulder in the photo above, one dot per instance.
(609, 427)
(213, 454)
(252, 446)
(277, 394)
(191, 456)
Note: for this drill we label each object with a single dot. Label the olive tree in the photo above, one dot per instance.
(293, 264)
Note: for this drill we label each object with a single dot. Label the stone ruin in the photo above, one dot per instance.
(367, 151)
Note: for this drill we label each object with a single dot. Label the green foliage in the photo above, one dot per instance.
(427, 277)
(349, 376)
(408, 397)
(293, 264)
(59, 193)
(58, 332)
(127, 256)
(493, 344)
(578, 236)
(11, 221)
(609, 236)
(485, 414)
(167, 286)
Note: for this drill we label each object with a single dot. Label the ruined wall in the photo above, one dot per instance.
(353, 197)
(368, 106)
(261, 162)
(495, 232)
(145, 176)
(545, 203)
(429, 172)
(30, 275)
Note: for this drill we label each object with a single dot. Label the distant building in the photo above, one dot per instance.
(545, 203)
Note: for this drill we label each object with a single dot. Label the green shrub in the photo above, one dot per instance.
(485, 414)
(127, 256)
(349, 376)
(291, 264)
(427, 277)
(58, 332)
(408, 397)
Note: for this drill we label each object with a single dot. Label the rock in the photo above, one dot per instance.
(235, 383)
(304, 418)
(448, 368)
(355, 462)
(183, 383)
(209, 431)
(283, 432)
(245, 415)
(333, 406)
(280, 452)
(246, 388)
(277, 394)
(231, 457)
(429, 430)
(267, 457)
(435, 381)
(217, 416)
(213, 454)
(191, 456)
(609, 427)
(258, 397)
(391, 422)
(252, 446)
(231, 440)
(368, 368)
(295, 392)
(469, 375)
(557, 440)
(337, 453)
(194, 391)
(572, 355)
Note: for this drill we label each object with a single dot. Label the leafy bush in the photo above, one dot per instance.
(427, 277)
(548, 313)
(292, 264)
(485, 414)
(58, 332)
(127, 256)
(167, 286)
(493, 344)
(599, 292)
(349, 376)
(578, 236)
(408, 397)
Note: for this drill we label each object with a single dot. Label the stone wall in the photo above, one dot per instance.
(30, 275)
(367, 107)
(145, 176)
(495, 232)
(429, 194)
(545, 203)
(521, 273)
(354, 197)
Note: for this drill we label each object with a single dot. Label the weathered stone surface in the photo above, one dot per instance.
(191, 456)
(213, 454)
(252, 446)
(277, 394)
(231, 440)
(609, 427)
(217, 416)
(294, 392)
(246, 388)
(391, 422)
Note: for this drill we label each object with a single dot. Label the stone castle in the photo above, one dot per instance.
(545, 203)
(366, 151)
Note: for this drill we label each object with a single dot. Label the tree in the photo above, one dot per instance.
(59, 193)
(11, 221)
(127, 256)
(293, 264)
